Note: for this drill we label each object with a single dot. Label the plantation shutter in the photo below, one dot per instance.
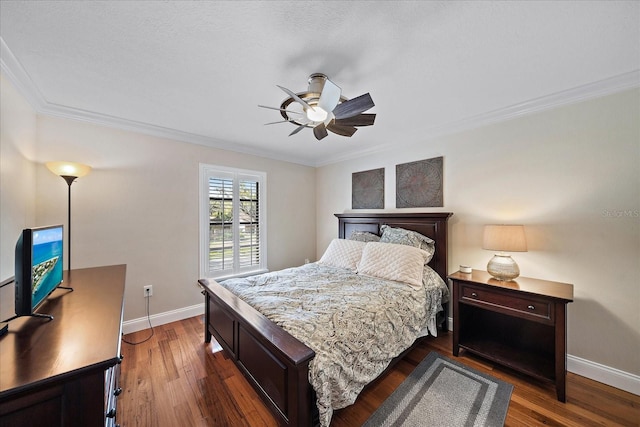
(235, 234)
(221, 233)
(249, 226)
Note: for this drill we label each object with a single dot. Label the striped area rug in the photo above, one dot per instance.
(443, 392)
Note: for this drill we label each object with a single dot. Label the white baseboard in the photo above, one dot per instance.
(596, 371)
(604, 374)
(141, 323)
(586, 368)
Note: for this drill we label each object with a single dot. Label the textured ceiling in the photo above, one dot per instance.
(196, 71)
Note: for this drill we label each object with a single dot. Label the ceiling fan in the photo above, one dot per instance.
(323, 108)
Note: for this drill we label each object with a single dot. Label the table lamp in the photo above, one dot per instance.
(504, 238)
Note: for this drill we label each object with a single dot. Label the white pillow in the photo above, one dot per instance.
(343, 253)
(393, 262)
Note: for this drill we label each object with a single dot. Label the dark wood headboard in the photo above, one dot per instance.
(432, 225)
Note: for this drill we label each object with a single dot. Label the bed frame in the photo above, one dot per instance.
(274, 362)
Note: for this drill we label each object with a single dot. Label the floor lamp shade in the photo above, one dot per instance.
(69, 171)
(503, 239)
(73, 169)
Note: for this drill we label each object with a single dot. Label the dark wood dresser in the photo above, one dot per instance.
(64, 372)
(520, 324)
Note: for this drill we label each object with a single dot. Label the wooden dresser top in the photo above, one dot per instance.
(84, 334)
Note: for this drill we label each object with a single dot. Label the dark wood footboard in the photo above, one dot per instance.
(274, 362)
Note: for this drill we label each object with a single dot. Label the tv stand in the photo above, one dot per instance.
(65, 373)
(47, 316)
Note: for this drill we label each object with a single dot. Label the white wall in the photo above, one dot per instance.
(571, 175)
(139, 205)
(17, 181)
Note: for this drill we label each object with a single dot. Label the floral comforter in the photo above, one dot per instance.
(355, 324)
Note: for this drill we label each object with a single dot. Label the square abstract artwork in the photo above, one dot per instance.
(419, 184)
(367, 189)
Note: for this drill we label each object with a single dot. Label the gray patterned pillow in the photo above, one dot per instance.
(364, 236)
(407, 237)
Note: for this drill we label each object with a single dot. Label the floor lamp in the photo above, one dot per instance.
(69, 171)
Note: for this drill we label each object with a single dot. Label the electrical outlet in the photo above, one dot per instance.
(148, 291)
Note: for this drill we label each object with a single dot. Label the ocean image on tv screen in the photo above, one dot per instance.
(47, 262)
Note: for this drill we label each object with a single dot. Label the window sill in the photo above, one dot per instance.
(243, 274)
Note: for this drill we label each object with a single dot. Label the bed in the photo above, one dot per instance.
(277, 364)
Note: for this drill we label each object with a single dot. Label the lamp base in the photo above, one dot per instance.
(503, 267)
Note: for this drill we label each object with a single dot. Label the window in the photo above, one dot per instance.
(232, 222)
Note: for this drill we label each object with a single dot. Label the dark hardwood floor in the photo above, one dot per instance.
(175, 379)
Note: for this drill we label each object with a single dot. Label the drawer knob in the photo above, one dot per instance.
(473, 294)
(531, 307)
(117, 391)
(111, 413)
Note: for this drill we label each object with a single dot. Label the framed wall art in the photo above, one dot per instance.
(367, 189)
(419, 184)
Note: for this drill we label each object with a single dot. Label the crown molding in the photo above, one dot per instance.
(21, 80)
(14, 71)
(19, 77)
(574, 95)
(161, 132)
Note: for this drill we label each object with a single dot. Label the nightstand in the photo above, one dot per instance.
(521, 324)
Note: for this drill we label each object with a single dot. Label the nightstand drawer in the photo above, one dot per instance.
(522, 306)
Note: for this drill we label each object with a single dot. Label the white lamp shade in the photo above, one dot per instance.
(504, 238)
(68, 168)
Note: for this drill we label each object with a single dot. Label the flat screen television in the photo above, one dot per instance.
(38, 265)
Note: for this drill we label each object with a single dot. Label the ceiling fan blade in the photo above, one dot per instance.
(353, 107)
(320, 131)
(281, 121)
(296, 97)
(298, 129)
(281, 109)
(330, 96)
(341, 129)
(359, 120)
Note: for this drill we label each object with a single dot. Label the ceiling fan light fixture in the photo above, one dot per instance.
(316, 114)
(324, 108)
